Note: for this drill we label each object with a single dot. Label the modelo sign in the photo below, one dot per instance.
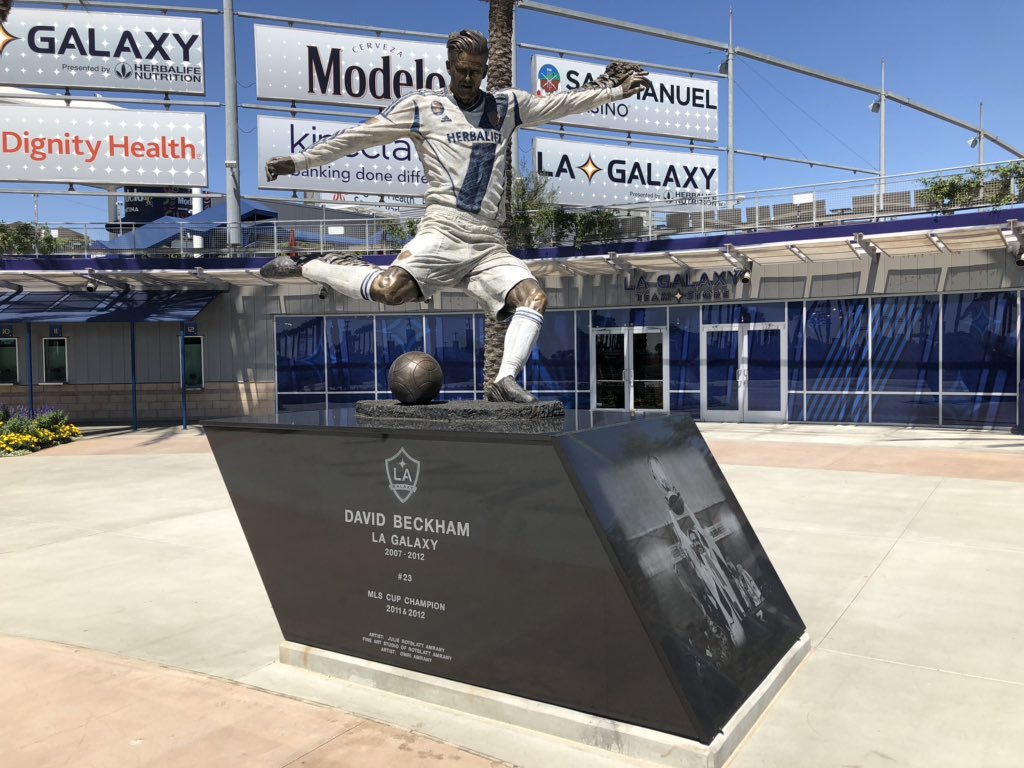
(680, 107)
(102, 51)
(597, 174)
(391, 169)
(111, 147)
(330, 68)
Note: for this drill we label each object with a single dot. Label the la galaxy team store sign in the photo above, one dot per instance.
(102, 146)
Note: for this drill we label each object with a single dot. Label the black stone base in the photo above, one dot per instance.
(460, 410)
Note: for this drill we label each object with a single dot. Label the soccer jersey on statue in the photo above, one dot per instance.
(462, 150)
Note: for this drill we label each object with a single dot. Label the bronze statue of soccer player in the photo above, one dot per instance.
(460, 134)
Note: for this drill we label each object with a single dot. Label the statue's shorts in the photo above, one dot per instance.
(454, 249)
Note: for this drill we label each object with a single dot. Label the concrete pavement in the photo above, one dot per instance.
(134, 628)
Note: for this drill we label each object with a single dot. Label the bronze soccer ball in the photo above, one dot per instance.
(415, 378)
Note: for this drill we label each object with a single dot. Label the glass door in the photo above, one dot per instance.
(630, 369)
(609, 356)
(743, 372)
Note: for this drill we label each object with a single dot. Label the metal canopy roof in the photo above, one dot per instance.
(788, 251)
(989, 238)
(905, 244)
(706, 253)
(106, 307)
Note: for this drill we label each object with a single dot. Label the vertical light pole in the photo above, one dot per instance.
(878, 106)
(881, 137)
(232, 178)
(730, 143)
(981, 133)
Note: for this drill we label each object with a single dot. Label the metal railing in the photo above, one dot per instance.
(921, 194)
(909, 195)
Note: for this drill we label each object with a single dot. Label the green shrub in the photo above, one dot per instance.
(49, 419)
(16, 425)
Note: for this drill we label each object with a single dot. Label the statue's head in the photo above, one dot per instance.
(467, 65)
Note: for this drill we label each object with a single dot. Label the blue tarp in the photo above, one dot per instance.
(104, 307)
(314, 237)
(167, 228)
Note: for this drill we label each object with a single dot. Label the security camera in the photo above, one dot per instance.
(90, 286)
(1020, 259)
(745, 276)
(323, 292)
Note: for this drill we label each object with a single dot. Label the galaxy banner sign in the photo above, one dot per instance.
(391, 169)
(588, 174)
(108, 147)
(679, 107)
(303, 65)
(102, 51)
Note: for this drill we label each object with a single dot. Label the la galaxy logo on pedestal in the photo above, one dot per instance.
(403, 472)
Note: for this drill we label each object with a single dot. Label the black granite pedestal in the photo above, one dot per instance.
(606, 568)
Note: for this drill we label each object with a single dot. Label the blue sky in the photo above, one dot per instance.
(947, 55)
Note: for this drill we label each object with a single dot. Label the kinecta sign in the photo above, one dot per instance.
(392, 169)
(102, 146)
(102, 51)
(598, 174)
(681, 107)
(329, 68)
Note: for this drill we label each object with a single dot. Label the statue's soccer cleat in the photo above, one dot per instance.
(286, 266)
(506, 390)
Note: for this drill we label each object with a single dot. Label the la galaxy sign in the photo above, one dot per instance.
(102, 51)
(329, 68)
(679, 107)
(681, 287)
(597, 174)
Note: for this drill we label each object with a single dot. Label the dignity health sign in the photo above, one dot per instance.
(597, 174)
(331, 68)
(102, 146)
(392, 169)
(680, 107)
(102, 51)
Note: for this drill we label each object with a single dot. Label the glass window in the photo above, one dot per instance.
(350, 354)
(552, 365)
(837, 408)
(908, 408)
(194, 362)
(978, 411)
(630, 316)
(684, 351)
(583, 350)
(730, 314)
(300, 354)
(979, 343)
(795, 312)
(905, 344)
(8, 361)
(480, 328)
(837, 347)
(450, 340)
(55, 361)
(395, 337)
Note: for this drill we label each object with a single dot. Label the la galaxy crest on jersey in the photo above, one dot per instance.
(437, 108)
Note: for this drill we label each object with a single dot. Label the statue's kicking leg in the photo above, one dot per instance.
(351, 276)
(528, 301)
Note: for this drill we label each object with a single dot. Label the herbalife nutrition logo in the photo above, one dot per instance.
(403, 472)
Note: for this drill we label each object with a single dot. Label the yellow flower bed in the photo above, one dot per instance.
(31, 437)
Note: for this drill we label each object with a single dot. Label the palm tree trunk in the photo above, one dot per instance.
(499, 75)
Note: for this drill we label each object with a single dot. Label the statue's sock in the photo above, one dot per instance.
(352, 280)
(520, 337)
